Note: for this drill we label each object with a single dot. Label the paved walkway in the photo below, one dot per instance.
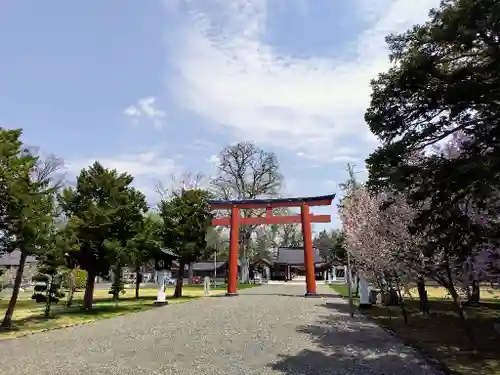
(267, 330)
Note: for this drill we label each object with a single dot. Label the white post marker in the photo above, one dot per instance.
(364, 293)
(161, 298)
(334, 274)
(206, 286)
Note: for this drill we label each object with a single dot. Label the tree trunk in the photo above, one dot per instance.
(356, 291)
(422, 296)
(117, 285)
(475, 295)
(49, 293)
(401, 301)
(472, 283)
(138, 280)
(403, 307)
(180, 280)
(72, 287)
(190, 273)
(244, 245)
(460, 312)
(88, 298)
(245, 269)
(458, 306)
(7, 320)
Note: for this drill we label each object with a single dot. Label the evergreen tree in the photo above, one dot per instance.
(186, 219)
(106, 212)
(443, 81)
(144, 245)
(27, 193)
(49, 279)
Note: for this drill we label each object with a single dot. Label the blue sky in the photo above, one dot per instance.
(157, 88)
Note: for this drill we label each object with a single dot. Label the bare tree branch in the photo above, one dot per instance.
(245, 171)
(181, 183)
(48, 168)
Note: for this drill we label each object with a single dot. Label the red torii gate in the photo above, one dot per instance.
(305, 218)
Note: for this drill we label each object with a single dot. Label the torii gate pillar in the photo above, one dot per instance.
(305, 218)
(308, 251)
(232, 280)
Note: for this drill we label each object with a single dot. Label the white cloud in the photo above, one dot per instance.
(202, 145)
(139, 164)
(338, 155)
(229, 75)
(147, 168)
(292, 186)
(214, 160)
(343, 159)
(146, 109)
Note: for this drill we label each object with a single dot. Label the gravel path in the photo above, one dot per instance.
(267, 330)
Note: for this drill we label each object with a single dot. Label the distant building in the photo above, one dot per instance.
(288, 263)
(203, 268)
(9, 263)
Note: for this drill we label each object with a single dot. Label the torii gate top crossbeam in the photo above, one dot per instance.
(324, 200)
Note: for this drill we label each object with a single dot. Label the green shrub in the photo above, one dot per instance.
(47, 290)
(80, 278)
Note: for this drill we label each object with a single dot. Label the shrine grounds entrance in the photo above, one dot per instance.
(305, 218)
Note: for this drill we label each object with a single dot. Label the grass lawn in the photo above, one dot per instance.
(441, 336)
(28, 315)
(342, 290)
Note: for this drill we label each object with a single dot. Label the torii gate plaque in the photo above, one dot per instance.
(305, 218)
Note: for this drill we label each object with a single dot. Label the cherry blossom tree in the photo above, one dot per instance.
(361, 221)
(391, 236)
(377, 237)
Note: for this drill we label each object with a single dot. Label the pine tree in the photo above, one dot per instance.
(48, 287)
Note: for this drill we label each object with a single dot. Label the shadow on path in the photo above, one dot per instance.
(348, 345)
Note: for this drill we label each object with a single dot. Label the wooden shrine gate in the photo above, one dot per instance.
(305, 218)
